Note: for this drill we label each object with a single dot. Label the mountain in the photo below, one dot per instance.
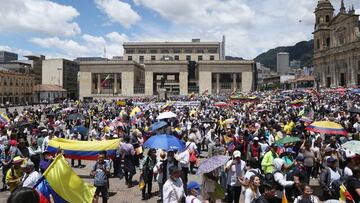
(302, 51)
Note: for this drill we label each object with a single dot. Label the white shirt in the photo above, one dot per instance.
(192, 199)
(191, 146)
(29, 180)
(348, 171)
(173, 191)
(234, 172)
(45, 144)
(249, 197)
(183, 158)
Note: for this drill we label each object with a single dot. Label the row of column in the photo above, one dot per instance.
(205, 81)
(233, 85)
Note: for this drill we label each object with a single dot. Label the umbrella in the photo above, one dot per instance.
(355, 91)
(288, 139)
(221, 104)
(306, 119)
(166, 115)
(207, 120)
(81, 129)
(229, 120)
(352, 146)
(164, 142)
(327, 127)
(354, 110)
(75, 116)
(134, 111)
(212, 163)
(158, 125)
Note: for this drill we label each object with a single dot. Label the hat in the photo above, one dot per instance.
(290, 150)
(237, 154)
(46, 152)
(17, 160)
(44, 130)
(274, 145)
(331, 160)
(256, 139)
(162, 155)
(27, 164)
(193, 185)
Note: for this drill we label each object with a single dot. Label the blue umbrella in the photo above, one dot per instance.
(164, 142)
(355, 91)
(158, 125)
(81, 129)
(212, 163)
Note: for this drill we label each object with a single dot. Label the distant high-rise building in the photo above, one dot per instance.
(36, 64)
(6, 56)
(282, 61)
(295, 64)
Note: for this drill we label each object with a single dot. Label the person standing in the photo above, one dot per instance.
(193, 191)
(252, 191)
(146, 167)
(127, 152)
(328, 176)
(267, 162)
(235, 172)
(35, 152)
(14, 174)
(31, 176)
(173, 190)
(100, 172)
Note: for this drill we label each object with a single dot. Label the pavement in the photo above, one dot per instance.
(120, 193)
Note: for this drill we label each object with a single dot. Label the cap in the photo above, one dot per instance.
(237, 154)
(17, 160)
(300, 158)
(27, 164)
(331, 160)
(290, 150)
(256, 139)
(274, 145)
(44, 130)
(193, 185)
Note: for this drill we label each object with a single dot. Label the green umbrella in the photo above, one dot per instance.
(352, 146)
(288, 139)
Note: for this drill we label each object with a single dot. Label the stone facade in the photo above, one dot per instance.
(16, 88)
(336, 46)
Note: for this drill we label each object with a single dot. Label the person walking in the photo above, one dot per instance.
(173, 191)
(100, 172)
(252, 191)
(127, 152)
(146, 167)
(235, 169)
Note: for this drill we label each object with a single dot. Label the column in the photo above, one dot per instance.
(98, 83)
(246, 81)
(115, 83)
(217, 83)
(149, 83)
(205, 82)
(85, 85)
(183, 80)
(353, 74)
(234, 82)
(127, 83)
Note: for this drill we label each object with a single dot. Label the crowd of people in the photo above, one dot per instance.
(247, 130)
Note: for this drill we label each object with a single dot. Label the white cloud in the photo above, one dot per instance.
(89, 45)
(118, 11)
(39, 16)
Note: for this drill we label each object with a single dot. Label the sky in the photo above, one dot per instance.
(75, 28)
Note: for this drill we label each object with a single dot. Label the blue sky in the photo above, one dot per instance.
(72, 28)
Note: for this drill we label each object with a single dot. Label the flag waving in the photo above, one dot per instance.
(105, 80)
(63, 184)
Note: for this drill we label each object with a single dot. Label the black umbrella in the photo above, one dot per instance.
(207, 120)
(75, 116)
(354, 110)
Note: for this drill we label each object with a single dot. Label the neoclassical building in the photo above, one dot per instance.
(336, 45)
(181, 68)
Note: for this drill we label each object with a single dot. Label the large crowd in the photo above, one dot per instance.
(271, 154)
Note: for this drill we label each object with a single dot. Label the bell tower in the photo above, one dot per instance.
(324, 13)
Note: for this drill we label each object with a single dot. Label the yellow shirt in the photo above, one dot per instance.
(13, 180)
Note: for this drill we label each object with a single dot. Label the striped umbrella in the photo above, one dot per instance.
(327, 127)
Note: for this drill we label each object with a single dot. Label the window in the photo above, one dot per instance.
(153, 58)
(164, 51)
(188, 58)
(129, 58)
(200, 51)
(317, 44)
(328, 70)
(213, 51)
(212, 58)
(142, 51)
(176, 57)
(177, 51)
(141, 59)
(200, 58)
(129, 51)
(188, 51)
(328, 42)
(327, 18)
(153, 51)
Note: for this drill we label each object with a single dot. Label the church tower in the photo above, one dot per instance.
(324, 13)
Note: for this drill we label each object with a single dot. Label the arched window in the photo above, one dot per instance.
(317, 44)
(327, 18)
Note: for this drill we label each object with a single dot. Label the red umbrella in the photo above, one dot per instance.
(221, 104)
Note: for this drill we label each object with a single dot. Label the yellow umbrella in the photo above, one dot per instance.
(134, 111)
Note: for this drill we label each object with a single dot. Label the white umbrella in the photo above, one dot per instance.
(166, 115)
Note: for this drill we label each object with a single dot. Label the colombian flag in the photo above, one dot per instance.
(297, 103)
(63, 185)
(84, 150)
(4, 118)
(344, 194)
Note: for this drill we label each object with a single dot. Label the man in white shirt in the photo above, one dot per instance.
(31, 176)
(183, 159)
(235, 169)
(173, 190)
